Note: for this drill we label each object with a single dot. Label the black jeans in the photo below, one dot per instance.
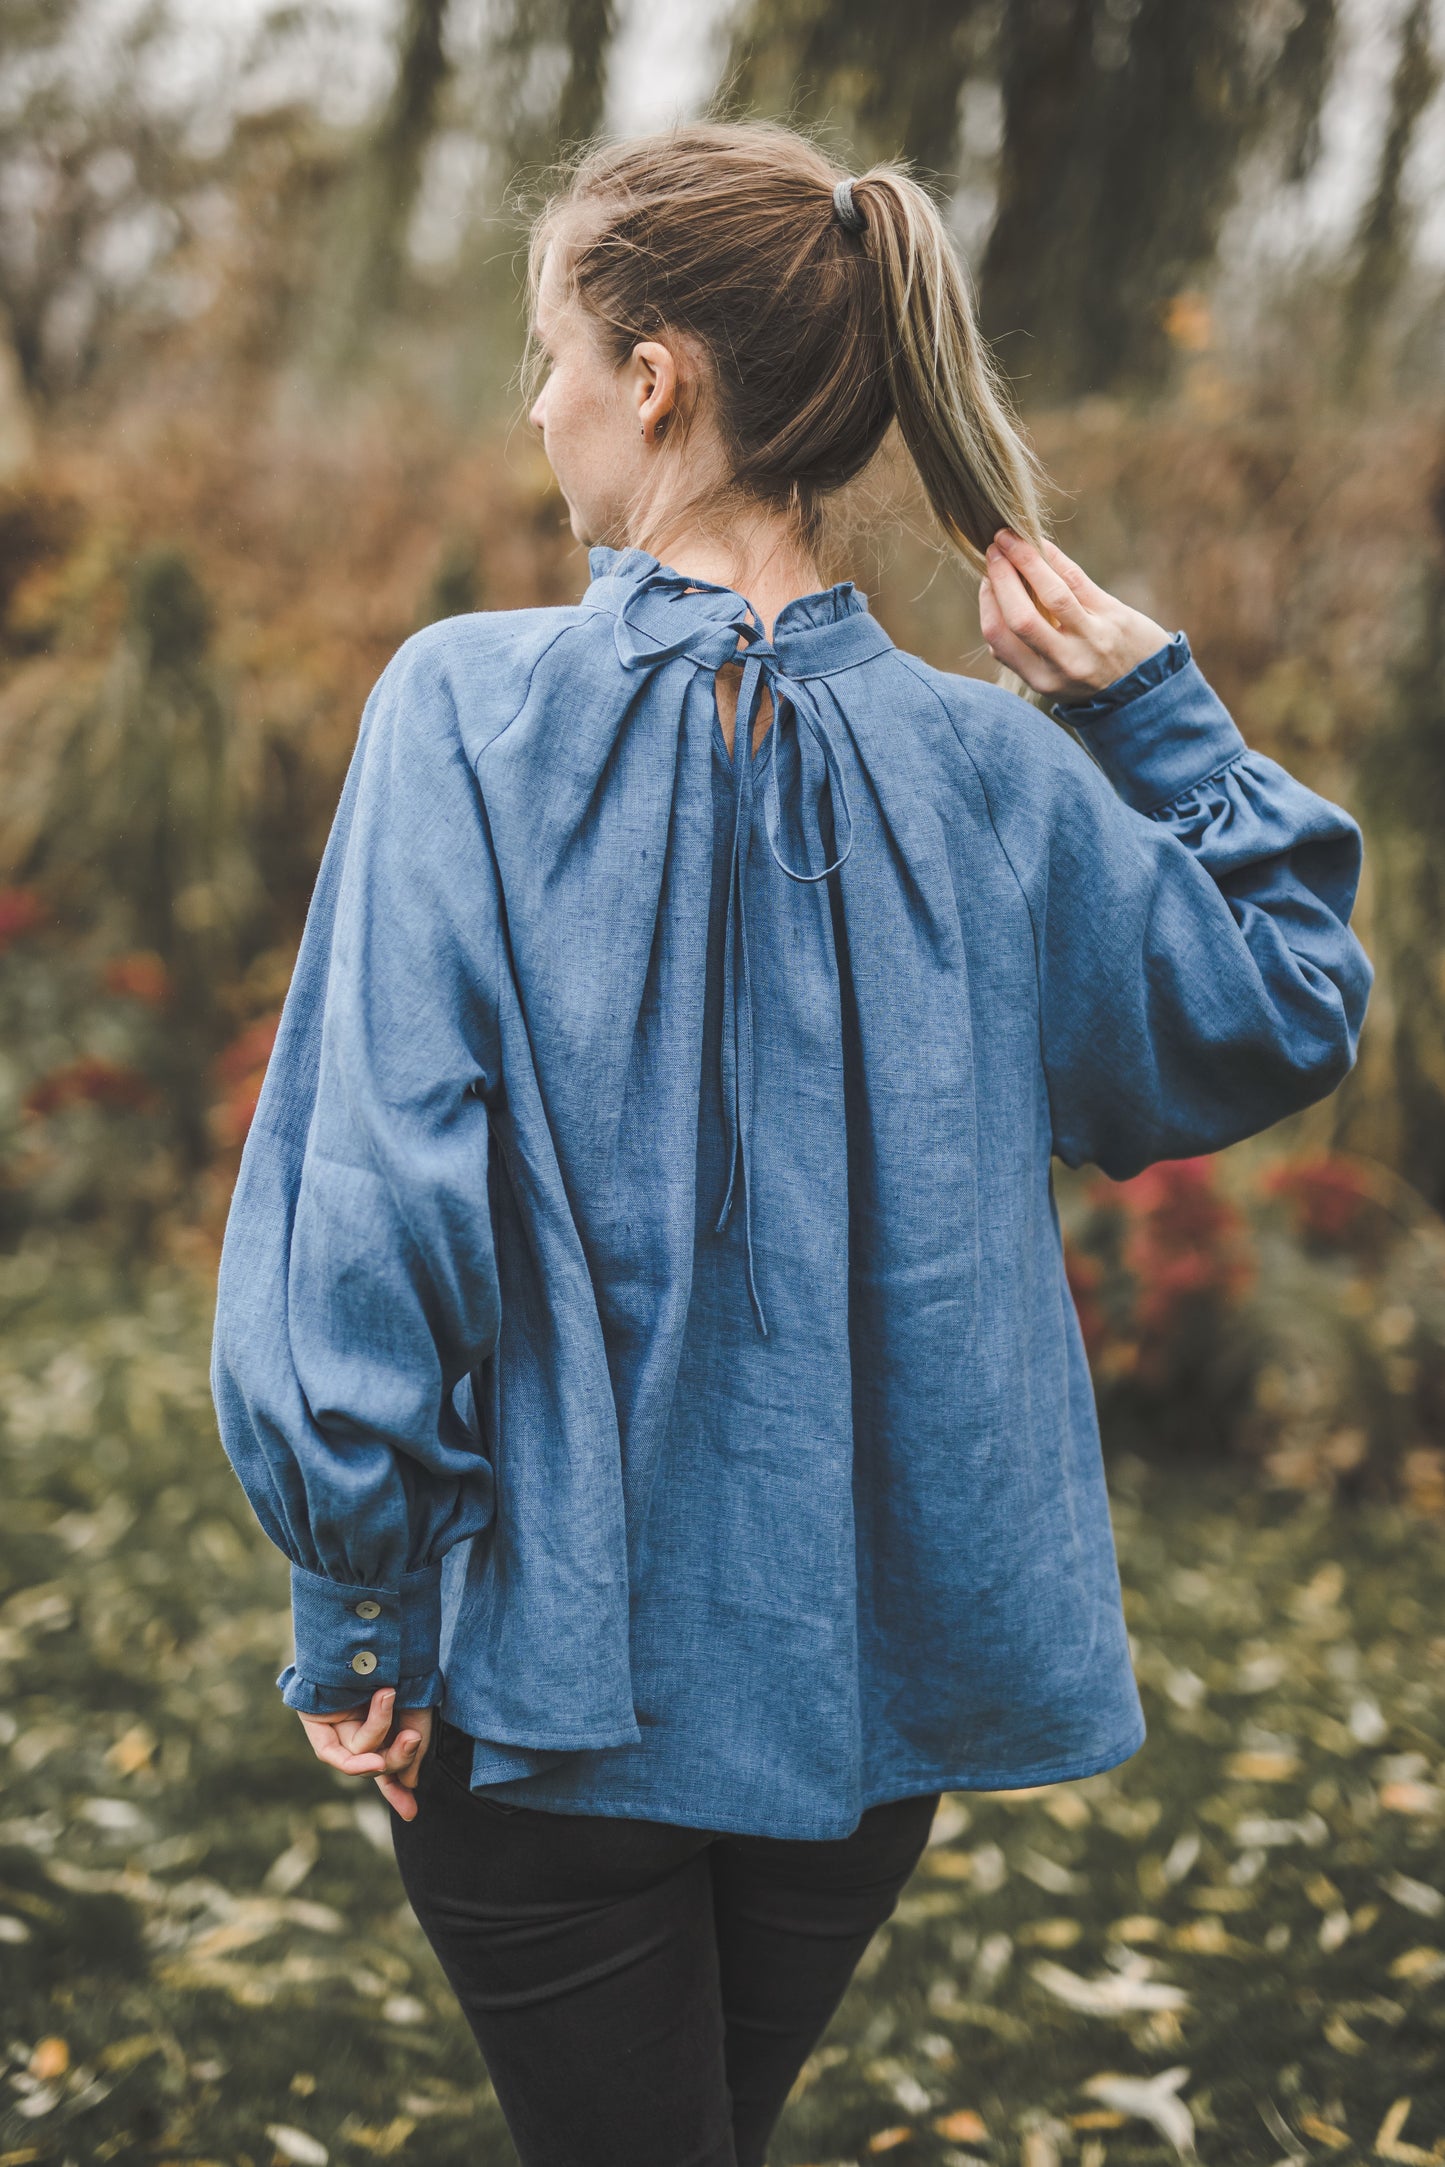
(643, 1994)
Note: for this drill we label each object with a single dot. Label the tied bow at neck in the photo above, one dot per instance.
(712, 639)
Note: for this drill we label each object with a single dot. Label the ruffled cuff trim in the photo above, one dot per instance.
(309, 1699)
(1164, 742)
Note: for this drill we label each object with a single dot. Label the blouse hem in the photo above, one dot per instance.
(1068, 1770)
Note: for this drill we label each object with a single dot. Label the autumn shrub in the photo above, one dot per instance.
(1284, 1308)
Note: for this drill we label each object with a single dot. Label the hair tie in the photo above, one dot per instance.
(846, 209)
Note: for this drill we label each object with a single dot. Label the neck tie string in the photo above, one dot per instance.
(794, 709)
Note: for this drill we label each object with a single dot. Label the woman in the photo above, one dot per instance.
(643, 1321)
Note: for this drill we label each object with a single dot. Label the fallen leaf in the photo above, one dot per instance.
(50, 2059)
(1259, 1832)
(1222, 1897)
(403, 2009)
(963, 2126)
(287, 1871)
(1416, 1798)
(123, 2054)
(296, 2146)
(44, 2100)
(132, 1751)
(1388, 2144)
(888, 2140)
(1038, 2149)
(1249, 1767)
(1048, 1874)
(1138, 1927)
(1050, 1933)
(379, 2138)
(1422, 1966)
(1181, 1856)
(1069, 1809)
(1341, 2036)
(1208, 1937)
(1416, 1896)
(1115, 1994)
(948, 1865)
(1324, 2132)
(951, 1819)
(1150, 2099)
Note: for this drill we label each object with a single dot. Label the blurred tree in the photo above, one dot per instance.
(147, 834)
(375, 204)
(1124, 124)
(456, 584)
(1402, 791)
(587, 30)
(1300, 78)
(548, 74)
(891, 76)
(1382, 242)
(94, 186)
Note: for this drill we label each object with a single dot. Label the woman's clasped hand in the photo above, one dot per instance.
(1043, 617)
(378, 1740)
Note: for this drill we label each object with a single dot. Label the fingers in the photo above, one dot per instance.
(401, 1755)
(1021, 614)
(1074, 575)
(371, 1733)
(400, 1799)
(1056, 597)
(1004, 647)
(329, 1746)
(410, 1774)
(357, 1745)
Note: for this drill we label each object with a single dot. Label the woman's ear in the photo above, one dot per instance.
(656, 385)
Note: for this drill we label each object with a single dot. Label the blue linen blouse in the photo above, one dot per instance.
(642, 1317)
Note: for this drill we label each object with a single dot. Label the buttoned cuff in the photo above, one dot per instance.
(350, 1640)
(1161, 743)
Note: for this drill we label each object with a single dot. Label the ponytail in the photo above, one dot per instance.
(977, 468)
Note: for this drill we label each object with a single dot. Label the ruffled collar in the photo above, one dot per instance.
(813, 635)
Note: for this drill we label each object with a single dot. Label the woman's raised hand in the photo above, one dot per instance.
(376, 1741)
(1043, 617)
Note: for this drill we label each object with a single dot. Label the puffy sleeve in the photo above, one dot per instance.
(1198, 976)
(358, 1285)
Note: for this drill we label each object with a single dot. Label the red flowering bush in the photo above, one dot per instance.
(91, 1081)
(20, 913)
(240, 1072)
(1293, 1312)
(141, 976)
(1156, 1265)
(1334, 1204)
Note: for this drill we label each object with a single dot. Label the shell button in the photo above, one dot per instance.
(364, 1661)
(368, 1609)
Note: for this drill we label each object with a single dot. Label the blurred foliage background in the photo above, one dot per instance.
(259, 331)
(260, 276)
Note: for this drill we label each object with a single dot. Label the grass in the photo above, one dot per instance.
(205, 1955)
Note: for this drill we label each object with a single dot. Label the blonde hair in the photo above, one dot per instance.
(817, 336)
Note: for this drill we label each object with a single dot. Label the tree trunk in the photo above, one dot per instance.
(1381, 245)
(1121, 145)
(891, 75)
